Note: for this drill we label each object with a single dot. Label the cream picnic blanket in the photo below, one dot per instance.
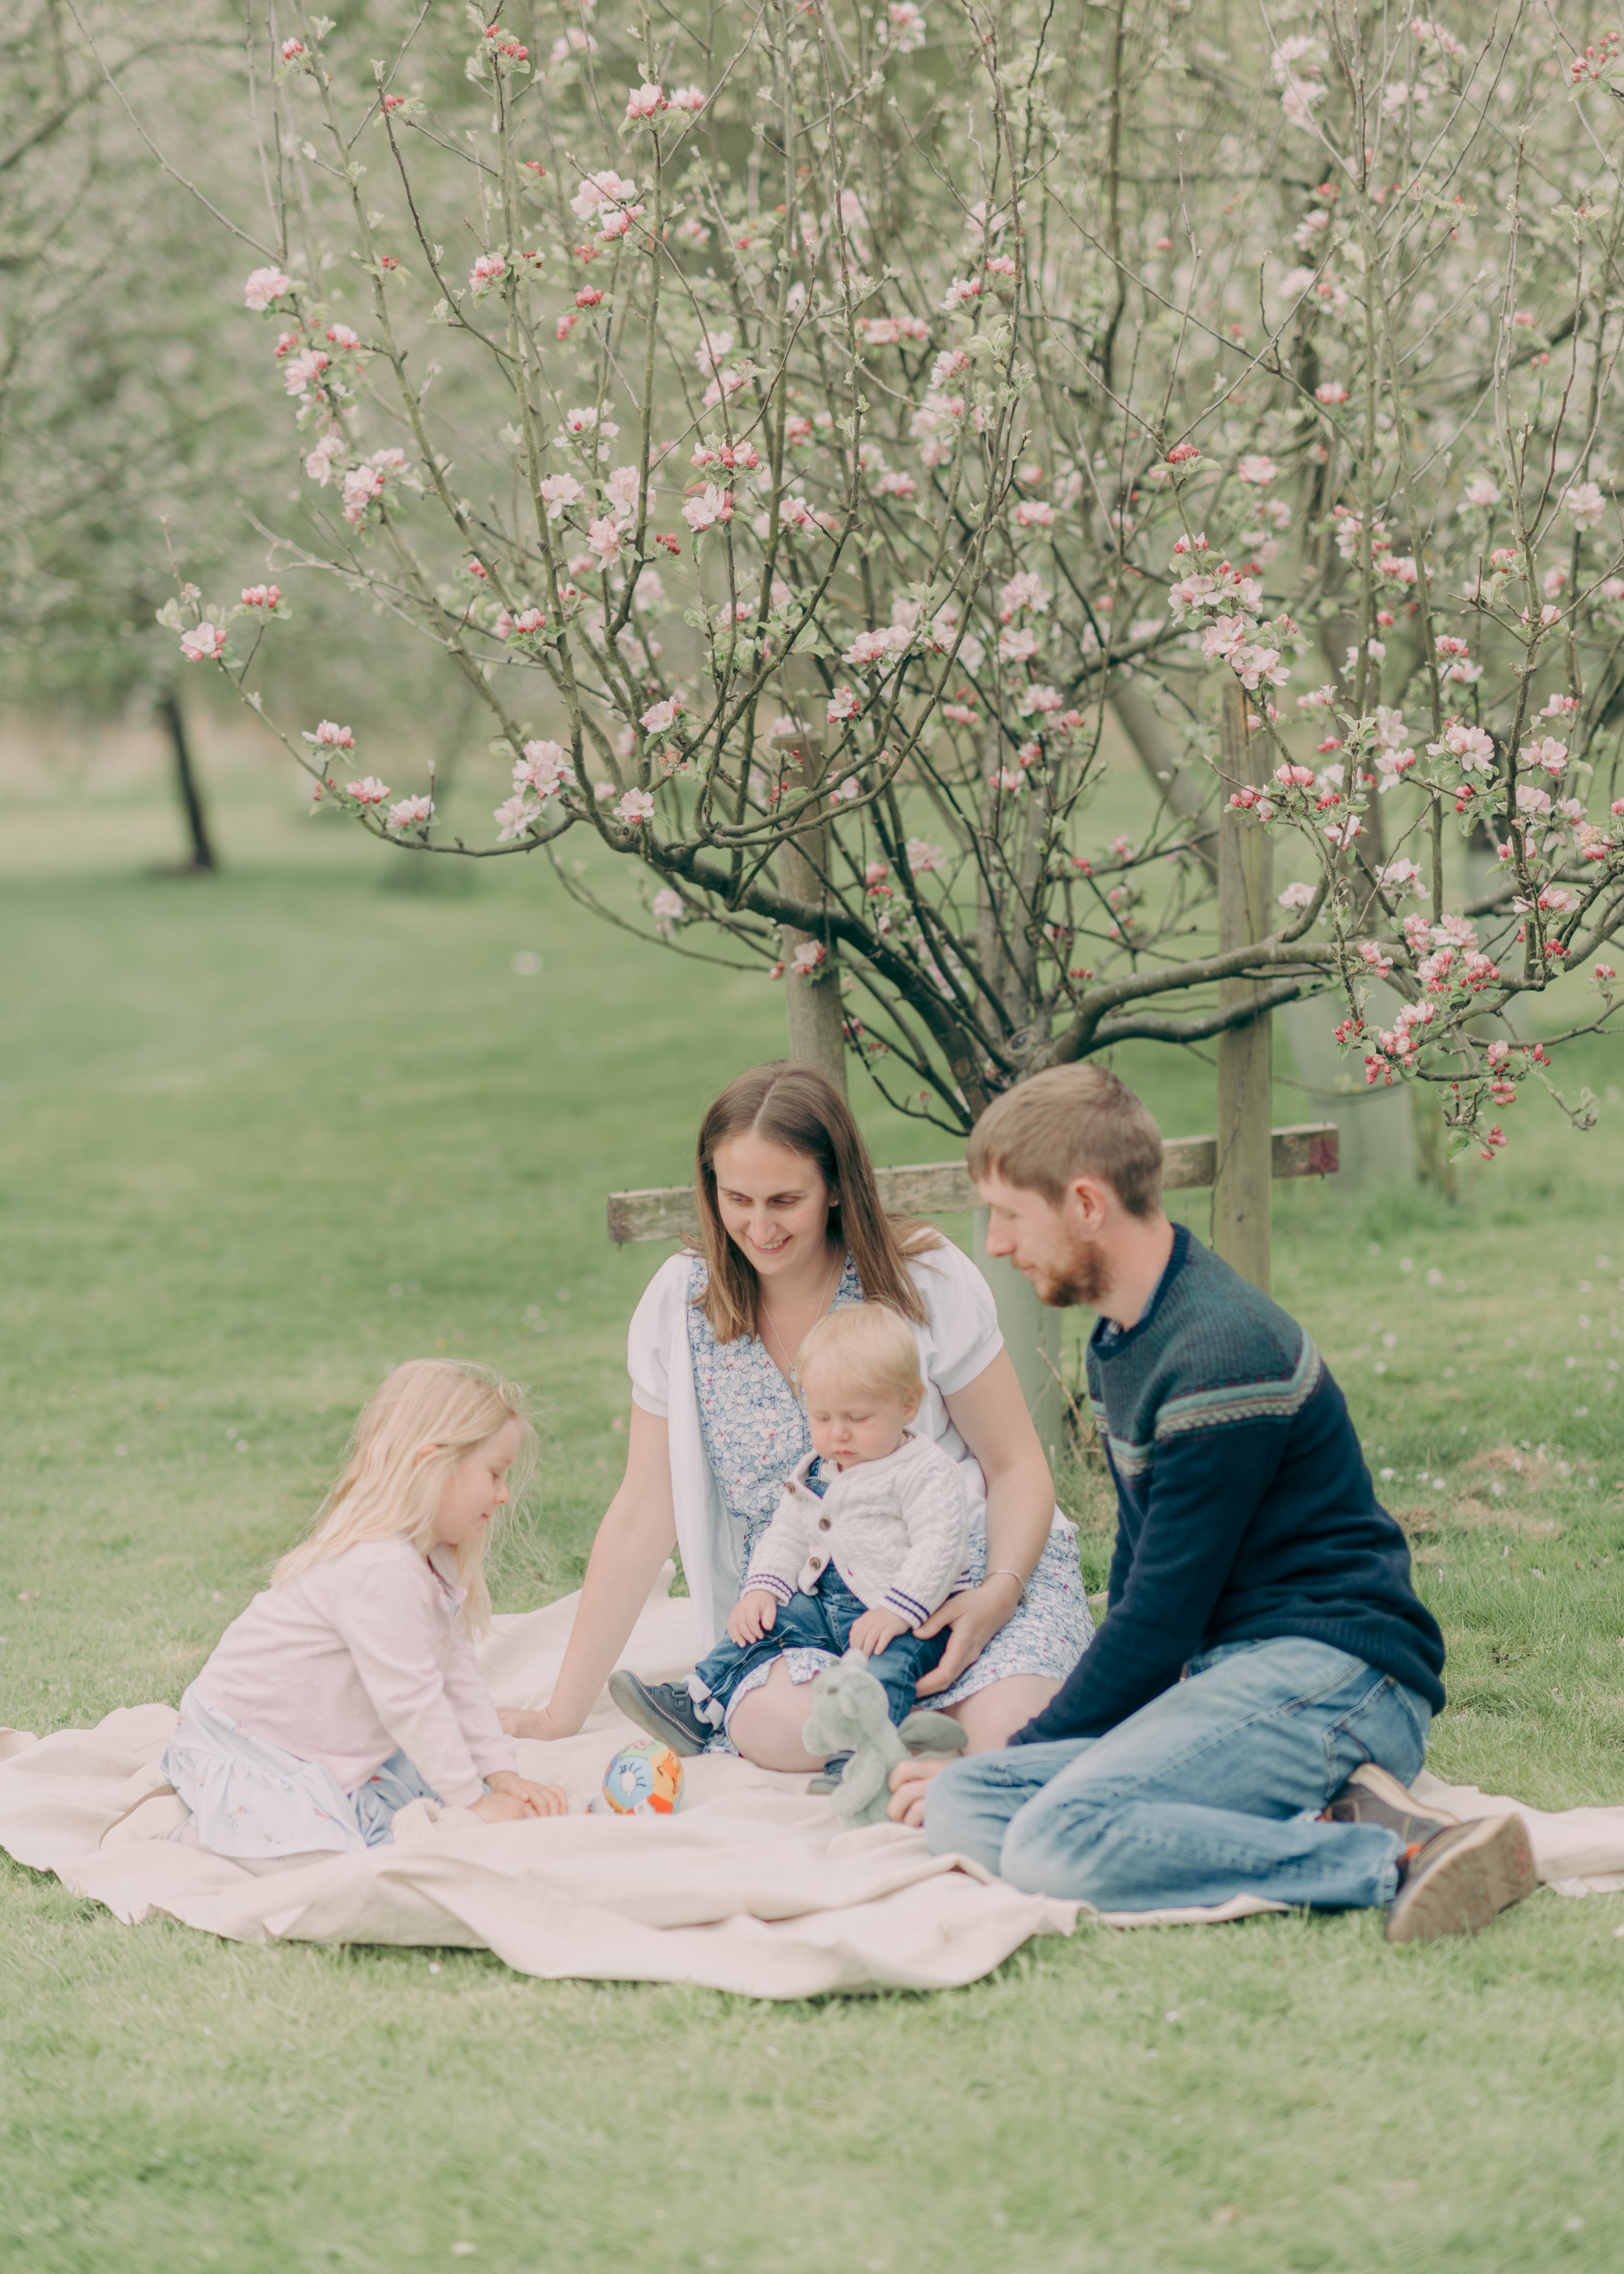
(752, 1887)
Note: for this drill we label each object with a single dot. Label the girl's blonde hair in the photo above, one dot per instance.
(384, 1492)
(867, 1344)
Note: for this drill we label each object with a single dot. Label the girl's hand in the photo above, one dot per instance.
(876, 1630)
(975, 1616)
(752, 1616)
(520, 1721)
(512, 1796)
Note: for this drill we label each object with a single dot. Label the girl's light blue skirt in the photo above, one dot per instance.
(249, 1798)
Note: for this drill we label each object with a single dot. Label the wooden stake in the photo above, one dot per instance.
(1241, 1187)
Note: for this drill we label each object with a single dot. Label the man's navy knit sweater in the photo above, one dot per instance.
(1245, 1510)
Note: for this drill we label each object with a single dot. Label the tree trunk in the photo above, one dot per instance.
(203, 861)
(1242, 1189)
(812, 1006)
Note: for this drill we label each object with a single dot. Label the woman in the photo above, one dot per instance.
(790, 1227)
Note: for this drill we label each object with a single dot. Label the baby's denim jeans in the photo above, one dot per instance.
(823, 1620)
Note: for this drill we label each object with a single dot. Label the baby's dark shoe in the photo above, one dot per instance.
(663, 1708)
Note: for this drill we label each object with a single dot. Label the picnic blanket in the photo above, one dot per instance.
(752, 1887)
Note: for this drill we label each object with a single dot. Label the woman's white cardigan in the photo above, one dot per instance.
(958, 1341)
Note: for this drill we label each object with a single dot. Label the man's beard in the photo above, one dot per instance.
(1082, 1278)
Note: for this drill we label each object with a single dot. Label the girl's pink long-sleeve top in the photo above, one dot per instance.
(361, 1657)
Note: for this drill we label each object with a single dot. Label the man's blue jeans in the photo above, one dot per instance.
(1210, 1791)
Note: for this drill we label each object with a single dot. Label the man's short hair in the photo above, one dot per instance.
(1071, 1121)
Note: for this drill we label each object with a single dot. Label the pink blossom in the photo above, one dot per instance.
(203, 643)
(291, 48)
(410, 813)
(1182, 454)
(712, 505)
(1257, 467)
(1603, 973)
(1297, 896)
(1548, 753)
(923, 857)
(599, 191)
(515, 816)
(368, 791)
(908, 28)
(261, 595)
(660, 717)
(1023, 592)
(604, 537)
(318, 464)
(806, 959)
(688, 98)
(635, 806)
(1482, 489)
(341, 337)
(961, 288)
(1016, 646)
(488, 269)
(330, 736)
(362, 486)
(264, 286)
(543, 767)
(1379, 963)
(645, 101)
(1340, 835)
(1331, 392)
(666, 909)
(1471, 747)
(1224, 636)
(1258, 666)
(302, 372)
(844, 792)
(1121, 848)
(559, 491)
(1035, 513)
(1292, 777)
(845, 703)
(1586, 504)
(1533, 799)
(875, 647)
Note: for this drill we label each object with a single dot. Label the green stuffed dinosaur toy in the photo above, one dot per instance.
(850, 1714)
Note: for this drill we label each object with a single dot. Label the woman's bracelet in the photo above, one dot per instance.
(1002, 1571)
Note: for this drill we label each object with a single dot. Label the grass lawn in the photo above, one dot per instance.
(264, 1136)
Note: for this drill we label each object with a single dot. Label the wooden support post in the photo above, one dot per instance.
(1241, 1185)
(812, 1006)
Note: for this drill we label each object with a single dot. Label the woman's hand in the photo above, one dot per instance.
(752, 1616)
(520, 1721)
(512, 1796)
(975, 1616)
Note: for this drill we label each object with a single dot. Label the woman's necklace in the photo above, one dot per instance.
(788, 1367)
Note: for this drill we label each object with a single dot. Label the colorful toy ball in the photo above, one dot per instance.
(644, 1780)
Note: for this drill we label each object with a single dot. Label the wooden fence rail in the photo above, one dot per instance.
(933, 1188)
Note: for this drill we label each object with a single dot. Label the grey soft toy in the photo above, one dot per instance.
(850, 1714)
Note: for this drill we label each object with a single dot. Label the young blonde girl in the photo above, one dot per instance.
(350, 1686)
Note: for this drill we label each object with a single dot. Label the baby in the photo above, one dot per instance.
(869, 1537)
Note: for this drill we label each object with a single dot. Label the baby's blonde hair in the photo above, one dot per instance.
(384, 1492)
(871, 1345)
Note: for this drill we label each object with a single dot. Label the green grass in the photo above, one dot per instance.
(261, 1137)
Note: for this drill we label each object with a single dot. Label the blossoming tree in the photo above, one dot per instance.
(805, 427)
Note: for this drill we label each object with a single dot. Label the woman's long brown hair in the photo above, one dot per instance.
(798, 1108)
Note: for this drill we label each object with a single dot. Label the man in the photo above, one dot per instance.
(1259, 1697)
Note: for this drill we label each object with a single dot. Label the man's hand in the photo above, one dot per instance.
(975, 1616)
(910, 1780)
(752, 1616)
(875, 1629)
